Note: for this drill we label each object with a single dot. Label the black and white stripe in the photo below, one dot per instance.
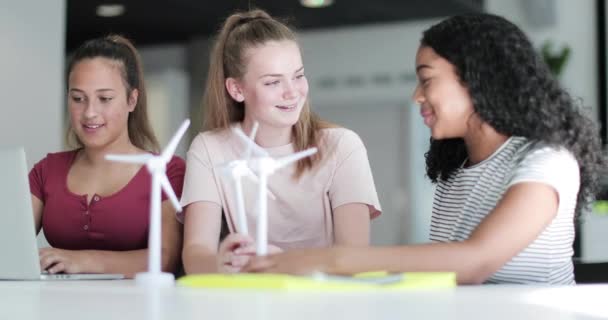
(464, 200)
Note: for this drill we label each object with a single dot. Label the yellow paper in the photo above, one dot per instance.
(360, 282)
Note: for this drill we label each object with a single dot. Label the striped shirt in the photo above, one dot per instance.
(471, 193)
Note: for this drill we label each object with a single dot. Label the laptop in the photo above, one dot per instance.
(18, 246)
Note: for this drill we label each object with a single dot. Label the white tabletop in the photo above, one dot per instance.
(123, 299)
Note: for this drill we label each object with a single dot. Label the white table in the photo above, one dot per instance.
(124, 300)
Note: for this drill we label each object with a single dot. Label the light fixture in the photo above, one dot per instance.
(316, 3)
(110, 10)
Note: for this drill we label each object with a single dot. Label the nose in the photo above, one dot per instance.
(289, 91)
(90, 110)
(418, 97)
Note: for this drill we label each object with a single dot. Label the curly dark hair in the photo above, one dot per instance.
(512, 90)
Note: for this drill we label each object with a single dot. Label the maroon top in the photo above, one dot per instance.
(116, 222)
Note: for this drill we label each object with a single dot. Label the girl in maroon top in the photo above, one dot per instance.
(94, 212)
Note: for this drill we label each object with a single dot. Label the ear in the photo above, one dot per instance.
(132, 100)
(234, 89)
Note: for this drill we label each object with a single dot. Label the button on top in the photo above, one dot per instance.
(96, 198)
(86, 212)
(86, 227)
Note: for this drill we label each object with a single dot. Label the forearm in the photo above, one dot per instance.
(125, 262)
(462, 258)
(198, 259)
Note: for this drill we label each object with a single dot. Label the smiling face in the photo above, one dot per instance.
(98, 102)
(445, 103)
(273, 88)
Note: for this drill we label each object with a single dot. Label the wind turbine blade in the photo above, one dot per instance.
(254, 178)
(137, 158)
(172, 145)
(164, 183)
(254, 147)
(254, 131)
(281, 162)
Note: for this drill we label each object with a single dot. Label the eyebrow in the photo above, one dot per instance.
(280, 75)
(98, 90)
(422, 66)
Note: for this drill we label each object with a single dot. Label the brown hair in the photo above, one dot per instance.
(239, 32)
(121, 50)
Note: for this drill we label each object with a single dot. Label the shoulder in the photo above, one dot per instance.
(213, 137)
(209, 147)
(340, 138)
(339, 144)
(555, 165)
(539, 154)
(63, 157)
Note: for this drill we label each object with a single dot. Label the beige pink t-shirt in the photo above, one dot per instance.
(301, 214)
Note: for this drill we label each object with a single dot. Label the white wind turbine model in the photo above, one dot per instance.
(235, 170)
(264, 166)
(156, 166)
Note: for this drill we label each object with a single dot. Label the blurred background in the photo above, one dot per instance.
(359, 59)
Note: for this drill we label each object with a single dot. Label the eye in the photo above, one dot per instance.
(300, 76)
(272, 83)
(105, 99)
(424, 81)
(77, 99)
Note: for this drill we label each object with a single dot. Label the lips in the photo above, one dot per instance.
(288, 107)
(426, 112)
(92, 127)
(428, 116)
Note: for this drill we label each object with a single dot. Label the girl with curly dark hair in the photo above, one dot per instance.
(514, 158)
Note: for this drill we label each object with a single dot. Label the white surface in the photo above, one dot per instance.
(123, 299)
(155, 279)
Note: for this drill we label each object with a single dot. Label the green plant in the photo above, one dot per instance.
(555, 60)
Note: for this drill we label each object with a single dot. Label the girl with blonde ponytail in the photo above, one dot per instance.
(256, 74)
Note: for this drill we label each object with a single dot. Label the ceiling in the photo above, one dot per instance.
(153, 22)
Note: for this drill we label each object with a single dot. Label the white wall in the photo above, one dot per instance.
(197, 60)
(167, 84)
(32, 75)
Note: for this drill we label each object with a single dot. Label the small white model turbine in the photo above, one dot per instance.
(156, 166)
(264, 165)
